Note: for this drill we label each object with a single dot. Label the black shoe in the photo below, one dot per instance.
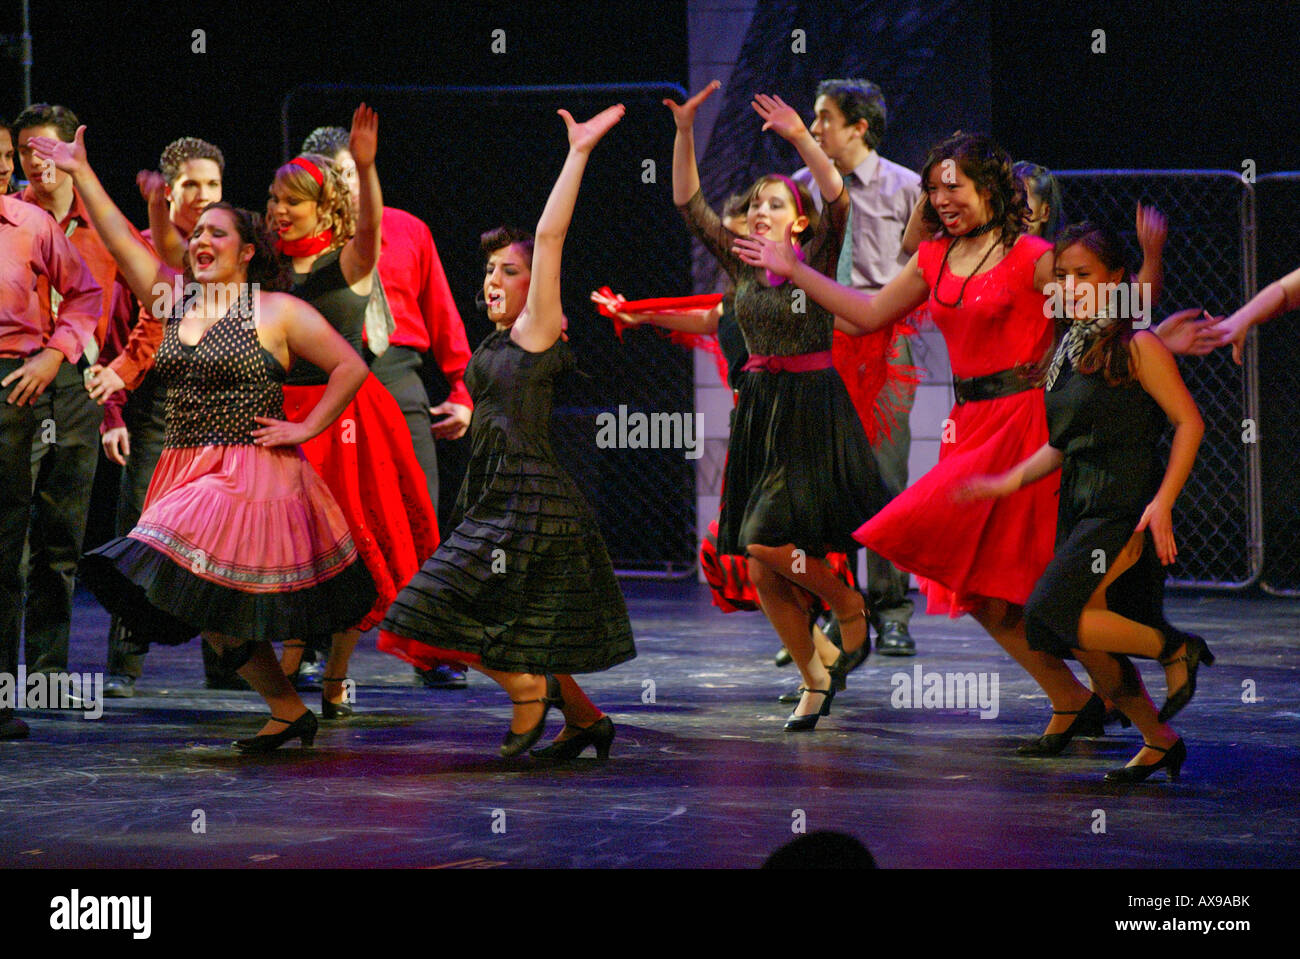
(330, 709)
(599, 734)
(1195, 654)
(304, 728)
(846, 662)
(893, 639)
(442, 677)
(119, 687)
(799, 724)
(1113, 715)
(307, 677)
(791, 697)
(11, 727)
(1087, 722)
(783, 657)
(1171, 762)
(514, 743)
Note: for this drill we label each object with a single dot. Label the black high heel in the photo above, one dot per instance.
(1087, 722)
(1113, 715)
(1195, 653)
(330, 709)
(1172, 762)
(599, 734)
(799, 724)
(846, 662)
(304, 728)
(303, 680)
(515, 743)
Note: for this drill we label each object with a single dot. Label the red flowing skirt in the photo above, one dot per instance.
(366, 459)
(965, 553)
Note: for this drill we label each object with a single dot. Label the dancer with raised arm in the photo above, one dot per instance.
(523, 589)
(983, 278)
(239, 538)
(800, 474)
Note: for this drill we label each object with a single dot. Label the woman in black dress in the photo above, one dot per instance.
(523, 589)
(800, 473)
(1109, 392)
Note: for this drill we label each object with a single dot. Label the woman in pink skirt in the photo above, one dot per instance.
(239, 540)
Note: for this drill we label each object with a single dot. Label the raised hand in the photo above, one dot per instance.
(68, 157)
(684, 113)
(363, 142)
(153, 188)
(1186, 333)
(779, 116)
(1152, 229)
(583, 137)
(775, 256)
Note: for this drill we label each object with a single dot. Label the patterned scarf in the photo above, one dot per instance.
(1075, 343)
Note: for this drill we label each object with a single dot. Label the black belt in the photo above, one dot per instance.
(995, 385)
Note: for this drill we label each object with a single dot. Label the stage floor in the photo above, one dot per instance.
(702, 776)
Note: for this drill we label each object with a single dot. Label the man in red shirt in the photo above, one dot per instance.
(62, 465)
(426, 321)
(35, 342)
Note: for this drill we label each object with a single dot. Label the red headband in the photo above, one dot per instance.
(311, 168)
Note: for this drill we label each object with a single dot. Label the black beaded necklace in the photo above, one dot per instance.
(978, 231)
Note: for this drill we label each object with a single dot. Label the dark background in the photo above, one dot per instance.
(1180, 85)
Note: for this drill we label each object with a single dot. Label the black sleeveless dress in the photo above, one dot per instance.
(235, 538)
(1112, 469)
(523, 581)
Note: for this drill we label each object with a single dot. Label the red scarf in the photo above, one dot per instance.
(305, 246)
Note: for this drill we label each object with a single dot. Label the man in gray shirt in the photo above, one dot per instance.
(849, 125)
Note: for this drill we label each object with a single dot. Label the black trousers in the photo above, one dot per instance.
(886, 583)
(399, 370)
(17, 430)
(64, 451)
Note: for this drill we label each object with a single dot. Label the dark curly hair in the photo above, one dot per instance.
(503, 236)
(268, 269)
(989, 167)
(179, 152)
(1109, 354)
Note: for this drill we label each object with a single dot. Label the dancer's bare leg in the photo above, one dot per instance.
(784, 610)
(814, 575)
(341, 647)
(263, 673)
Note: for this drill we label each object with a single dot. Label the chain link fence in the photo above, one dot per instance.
(1279, 382)
(1209, 261)
(466, 159)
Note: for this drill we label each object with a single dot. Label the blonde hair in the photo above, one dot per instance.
(333, 200)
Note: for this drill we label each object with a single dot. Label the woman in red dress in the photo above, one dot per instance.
(983, 280)
(366, 456)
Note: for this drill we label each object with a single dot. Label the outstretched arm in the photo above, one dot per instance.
(542, 321)
(359, 255)
(1046, 459)
(1152, 230)
(868, 312)
(148, 278)
(1280, 296)
(686, 175)
(167, 240)
(784, 119)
